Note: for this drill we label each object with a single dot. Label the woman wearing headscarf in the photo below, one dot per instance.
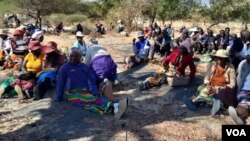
(51, 63)
(32, 65)
(84, 92)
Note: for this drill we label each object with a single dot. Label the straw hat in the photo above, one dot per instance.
(79, 34)
(221, 53)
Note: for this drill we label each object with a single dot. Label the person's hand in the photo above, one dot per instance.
(177, 73)
(210, 90)
(134, 41)
(166, 67)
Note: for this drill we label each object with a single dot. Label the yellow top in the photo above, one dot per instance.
(34, 64)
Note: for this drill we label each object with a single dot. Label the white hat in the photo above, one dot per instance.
(221, 53)
(79, 34)
(37, 34)
(140, 34)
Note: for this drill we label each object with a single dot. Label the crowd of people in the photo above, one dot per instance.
(86, 75)
(226, 83)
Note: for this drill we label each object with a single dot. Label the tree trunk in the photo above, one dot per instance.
(246, 26)
(40, 23)
(213, 24)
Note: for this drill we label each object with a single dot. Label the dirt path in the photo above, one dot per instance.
(157, 114)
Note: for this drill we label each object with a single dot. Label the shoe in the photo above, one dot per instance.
(188, 102)
(140, 85)
(123, 104)
(19, 92)
(233, 113)
(216, 106)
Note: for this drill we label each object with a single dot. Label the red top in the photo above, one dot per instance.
(187, 60)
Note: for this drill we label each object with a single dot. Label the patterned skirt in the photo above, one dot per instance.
(244, 99)
(83, 98)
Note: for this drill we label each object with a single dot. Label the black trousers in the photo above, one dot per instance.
(42, 88)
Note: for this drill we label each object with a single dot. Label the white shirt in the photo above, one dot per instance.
(246, 85)
(6, 47)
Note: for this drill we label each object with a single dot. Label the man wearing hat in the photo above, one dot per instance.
(141, 50)
(80, 43)
(218, 87)
(242, 111)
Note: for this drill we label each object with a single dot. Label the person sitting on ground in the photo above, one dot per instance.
(218, 87)
(209, 43)
(141, 51)
(162, 45)
(185, 40)
(19, 45)
(169, 31)
(79, 28)
(234, 49)
(120, 26)
(103, 67)
(174, 65)
(228, 35)
(38, 36)
(201, 41)
(100, 28)
(222, 40)
(84, 92)
(80, 43)
(242, 111)
(155, 29)
(59, 28)
(245, 46)
(31, 66)
(51, 63)
(147, 32)
(5, 46)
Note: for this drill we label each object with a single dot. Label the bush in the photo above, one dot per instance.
(67, 19)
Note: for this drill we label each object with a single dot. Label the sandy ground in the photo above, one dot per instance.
(157, 114)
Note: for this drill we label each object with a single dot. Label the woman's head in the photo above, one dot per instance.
(50, 47)
(35, 47)
(201, 30)
(221, 57)
(75, 56)
(18, 34)
(210, 32)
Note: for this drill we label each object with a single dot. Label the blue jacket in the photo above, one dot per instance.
(75, 77)
(141, 48)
